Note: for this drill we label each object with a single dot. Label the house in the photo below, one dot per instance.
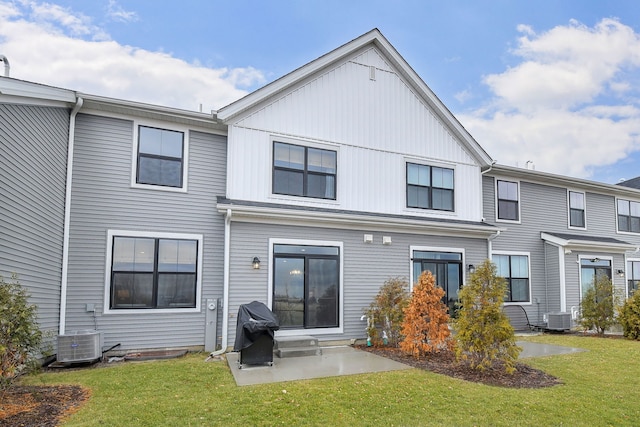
(153, 225)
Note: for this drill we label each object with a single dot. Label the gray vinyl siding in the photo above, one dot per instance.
(33, 160)
(365, 266)
(551, 303)
(103, 200)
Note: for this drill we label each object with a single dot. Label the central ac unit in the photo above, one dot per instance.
(79, 346)
(559, 321)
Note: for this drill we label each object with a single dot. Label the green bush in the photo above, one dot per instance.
(387, 312)
(630, 317)
(20, 336)
(485, 338)
(598, 306)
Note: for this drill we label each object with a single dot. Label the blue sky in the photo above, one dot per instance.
(553, 82)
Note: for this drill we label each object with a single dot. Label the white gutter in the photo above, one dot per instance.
(225, 280)
(67, 215)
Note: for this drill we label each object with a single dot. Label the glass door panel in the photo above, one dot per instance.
(288, 291)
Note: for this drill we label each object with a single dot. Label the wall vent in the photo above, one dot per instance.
(79, 346)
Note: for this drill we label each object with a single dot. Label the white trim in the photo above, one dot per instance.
(628, 233)
(562, 271)
(584, 199)
(495, 186)
(437, 164)
(185, 156)
(592, 256)
(154, 235)
(414, 248)
(273, 138)
(516, 253)
(310, 331)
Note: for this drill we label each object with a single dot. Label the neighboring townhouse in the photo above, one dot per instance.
(153, 225)
(559, 233)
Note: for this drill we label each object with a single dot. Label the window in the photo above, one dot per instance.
(576, 210)
(160, 157)
(508, 201)
(153, 273)
(446, 267)
(429, 187)
(515, 269)
(592, 268)
(633, 276)
(304, 171)
(306, 286)
(628, 216)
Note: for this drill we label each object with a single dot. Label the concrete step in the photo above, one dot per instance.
(297, 352)
(296, 346)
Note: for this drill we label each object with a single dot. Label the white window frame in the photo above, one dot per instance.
(152, 235)
(528, 255)
(309, 144)
(495, 186)
(301, 242)
(627, 274)
(584, 198)
(185, 156)
(629, 233)
(592, 256)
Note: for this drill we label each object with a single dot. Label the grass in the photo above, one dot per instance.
(599, 388)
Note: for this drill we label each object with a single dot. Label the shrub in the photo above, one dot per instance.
(485, 338)
(630, 317)
(20, 335)
(425, 327)
(598, 305)
(386, 310)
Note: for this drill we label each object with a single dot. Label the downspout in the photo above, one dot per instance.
(490, 245)
(225, 280)
(67, 215)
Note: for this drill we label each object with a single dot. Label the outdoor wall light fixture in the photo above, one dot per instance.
(256, 262)
(471, 268)
(620, 272)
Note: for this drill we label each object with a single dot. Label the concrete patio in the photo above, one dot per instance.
(336, 361)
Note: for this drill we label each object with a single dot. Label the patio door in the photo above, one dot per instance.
(590, 269)
(447, 270)
(306, 286)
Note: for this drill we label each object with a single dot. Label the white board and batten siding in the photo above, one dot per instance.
(104, 200)
(366, 266)
(33, 161)
(376, 125)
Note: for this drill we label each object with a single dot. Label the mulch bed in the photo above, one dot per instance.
(445, 363)
(41, 406)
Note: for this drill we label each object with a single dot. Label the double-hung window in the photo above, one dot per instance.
(508, 200)
(515, 270)
(160, 157)
(430, 187)
(633, 276)
(153, 273)
(628, 216)
(576, 210)
(304, 171)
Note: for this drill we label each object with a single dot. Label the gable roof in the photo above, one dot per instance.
(375, 38)
(631, 183)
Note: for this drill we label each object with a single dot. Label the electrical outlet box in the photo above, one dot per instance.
(91, 308)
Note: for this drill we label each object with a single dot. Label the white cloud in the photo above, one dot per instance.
(52, 45)
(117, 13)
(566, 105)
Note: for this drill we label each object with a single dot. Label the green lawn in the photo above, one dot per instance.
(600, 387)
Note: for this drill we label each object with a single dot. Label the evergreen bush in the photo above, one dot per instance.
(426, 320)
(598, 305)
(630, 317)
(20, 335)
(485, 338)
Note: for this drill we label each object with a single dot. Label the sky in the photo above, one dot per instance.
(552, 82)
